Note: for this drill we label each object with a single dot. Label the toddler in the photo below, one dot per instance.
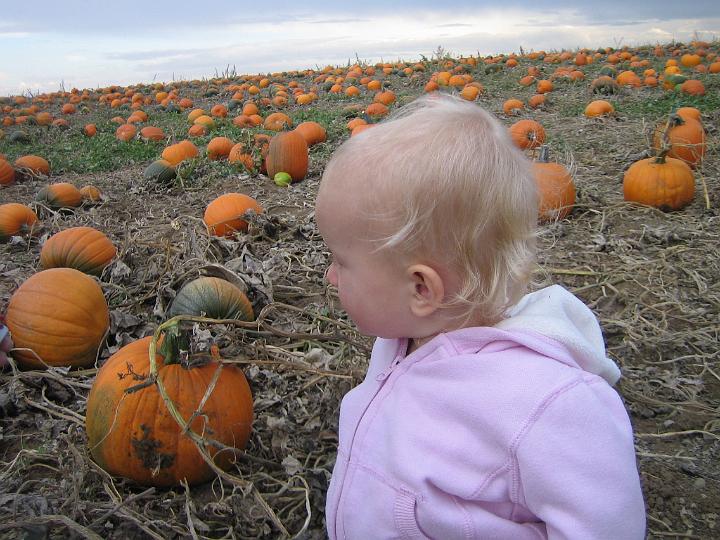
(486, 412)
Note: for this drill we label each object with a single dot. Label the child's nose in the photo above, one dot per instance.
(331, 275)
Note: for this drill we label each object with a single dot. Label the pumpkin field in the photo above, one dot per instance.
(177, 217)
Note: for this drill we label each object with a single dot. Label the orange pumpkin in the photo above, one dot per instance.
(277, 121)
(689, 112)
(91, 194)
(556, 188)
(83, 248)
(60, 195)
(132, 433)
(288, 152)
(16, 219)
(197, 130)
(61, 315)
(693, 87)
(219, 148)
(513, 106)
(377, 110)
(7, 173)
(125, 132)
(312, 132)
(663, 182)
(599, 107)
(544, 86)
(527, 134)
(239, 156)
(32, 165)
(178, 152)
(152, 133)
(219, 111)
(685, 136)
(223, 216)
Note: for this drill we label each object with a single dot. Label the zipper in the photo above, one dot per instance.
(381, 378)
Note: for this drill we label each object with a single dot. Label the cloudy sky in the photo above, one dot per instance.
(46, 45)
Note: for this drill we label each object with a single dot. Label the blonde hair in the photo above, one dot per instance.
(446, 181)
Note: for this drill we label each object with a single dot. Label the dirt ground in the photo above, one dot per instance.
(652, 278)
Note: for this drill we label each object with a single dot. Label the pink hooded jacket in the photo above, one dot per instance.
(507, 432)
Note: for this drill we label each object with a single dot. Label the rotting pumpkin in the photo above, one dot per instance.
(131, 432)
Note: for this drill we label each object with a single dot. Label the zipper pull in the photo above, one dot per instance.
(384, 374)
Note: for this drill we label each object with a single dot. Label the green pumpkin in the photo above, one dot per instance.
(160, 171)
(19, 136)
(212, 297)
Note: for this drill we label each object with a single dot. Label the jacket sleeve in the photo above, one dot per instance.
(576, 465)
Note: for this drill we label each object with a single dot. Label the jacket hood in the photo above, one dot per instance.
(556, 314)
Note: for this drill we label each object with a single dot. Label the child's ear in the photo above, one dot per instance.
(428, 290)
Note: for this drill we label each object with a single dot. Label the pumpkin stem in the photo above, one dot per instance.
(673, 120)
(175, 345)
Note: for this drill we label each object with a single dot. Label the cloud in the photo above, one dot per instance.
(163, 46)
(453, 25)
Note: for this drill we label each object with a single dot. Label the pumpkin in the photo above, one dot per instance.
(197, 130)
(312, 132)
(693, 87)
(195, 114)
(206, 121)
(556, 188)
(219, 148)
(125, 132)
(469, 93)
(223, 216)
(599, 107)
(61, 315)
(663, 182)
(513, 106)
(537, 100)
(178, 152)
(288, 152)
(16, 219)
(91, 194)
(212, 297)
(83, 248)
(685, 136)
(628, 78)
(7, 173)
(277, 121)
(152, 133)
(219, 111)
(604, 84)
(160, 171)
(387, 97)
(544, 86)
(90, 130)
(132, 434)
(250, 108)
(32, 165)
(59, 195)
(689, 112)
(527, 134)
(239, 156)
(376, 110)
